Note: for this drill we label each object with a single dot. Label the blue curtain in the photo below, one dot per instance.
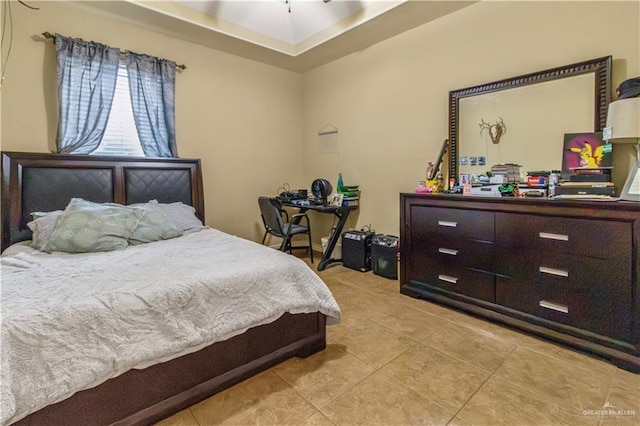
(87, 73)
(152, 84)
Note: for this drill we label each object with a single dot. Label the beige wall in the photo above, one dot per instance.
(255, 126)
(390, 101)
(240, 117)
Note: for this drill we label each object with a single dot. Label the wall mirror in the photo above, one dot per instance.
(531, 112)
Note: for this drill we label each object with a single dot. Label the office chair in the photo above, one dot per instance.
(276, 222)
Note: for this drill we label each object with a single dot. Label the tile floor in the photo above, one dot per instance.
(395, 360)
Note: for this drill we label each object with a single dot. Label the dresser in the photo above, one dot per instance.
(564, 270)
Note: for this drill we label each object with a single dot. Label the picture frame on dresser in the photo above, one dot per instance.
(631, 189)
(585, 151)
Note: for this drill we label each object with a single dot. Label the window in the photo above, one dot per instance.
(93, 84)
(121, 136)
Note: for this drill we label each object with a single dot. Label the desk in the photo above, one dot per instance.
(342, 213)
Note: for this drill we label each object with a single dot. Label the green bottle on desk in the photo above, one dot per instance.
(340, 183)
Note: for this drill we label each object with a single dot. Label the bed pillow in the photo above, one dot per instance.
(153, 226)
(86, 227)
(183, 216)
(42, 227)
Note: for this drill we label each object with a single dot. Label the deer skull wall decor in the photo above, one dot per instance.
(495, 130)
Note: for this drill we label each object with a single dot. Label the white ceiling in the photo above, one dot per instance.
(312, 34)
(290, 21)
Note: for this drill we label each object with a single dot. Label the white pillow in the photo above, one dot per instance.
(183, 216)
(42, 227)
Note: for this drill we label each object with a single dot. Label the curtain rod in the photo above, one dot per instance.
(47, 34)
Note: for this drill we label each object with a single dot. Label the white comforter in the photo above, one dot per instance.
(70, 322)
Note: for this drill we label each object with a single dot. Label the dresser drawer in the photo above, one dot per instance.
(595, 311)
(433, 223)
(456, 254)
(440, 270)
(567, 271)
(589, 237)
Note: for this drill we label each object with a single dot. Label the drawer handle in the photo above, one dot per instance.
(553, 271)
(452, 252)
(448, 279)
(446, 223)
(554, 306)
(557, 237)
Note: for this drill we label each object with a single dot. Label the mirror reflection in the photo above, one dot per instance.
(531, 122)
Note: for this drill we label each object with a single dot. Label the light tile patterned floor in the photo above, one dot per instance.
(396, 360)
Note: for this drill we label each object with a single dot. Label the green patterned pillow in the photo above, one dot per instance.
(153, 226)
(86, 227)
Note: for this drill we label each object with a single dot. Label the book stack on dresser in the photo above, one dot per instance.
(505, 173)
(587, 183)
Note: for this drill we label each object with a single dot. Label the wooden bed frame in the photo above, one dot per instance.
(45, 182)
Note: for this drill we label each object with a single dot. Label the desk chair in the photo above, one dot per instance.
(276, 222)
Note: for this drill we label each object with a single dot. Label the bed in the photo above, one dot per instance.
(142, 386)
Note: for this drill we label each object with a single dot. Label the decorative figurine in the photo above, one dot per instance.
(495, 130)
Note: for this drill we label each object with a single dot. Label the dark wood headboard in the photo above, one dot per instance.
(45, 182)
